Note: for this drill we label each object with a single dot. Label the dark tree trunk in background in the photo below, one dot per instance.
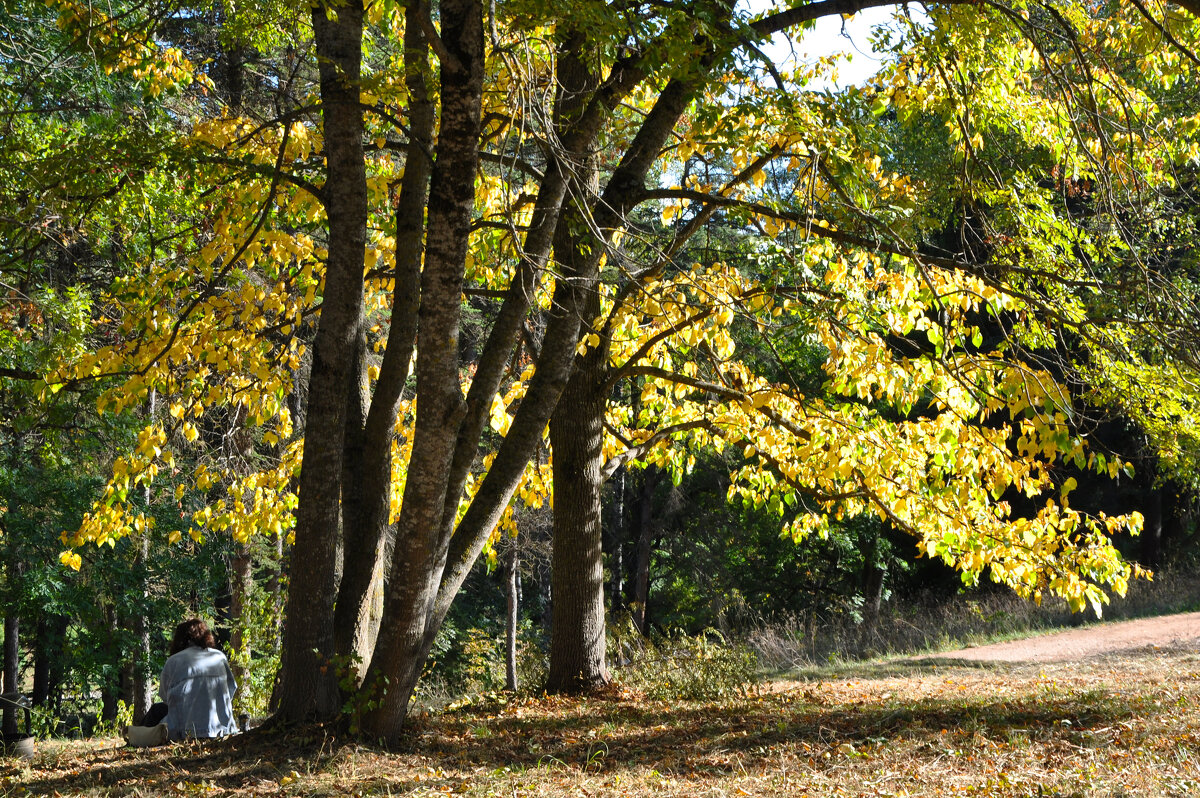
(1152, 530)
(12, 669)
(617, 535)
(241, 583)
(872, 581)
(512, 585)
(48, 663)
(644, 527)
(110, 691)
(40, 695)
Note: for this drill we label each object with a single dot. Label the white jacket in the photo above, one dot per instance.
(197, 685)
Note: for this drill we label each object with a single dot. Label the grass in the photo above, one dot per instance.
(1113, 727)
(915, 625)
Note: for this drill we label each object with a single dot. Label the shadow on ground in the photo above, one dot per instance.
(604, 735)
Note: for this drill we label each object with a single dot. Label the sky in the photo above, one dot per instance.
(835, 34)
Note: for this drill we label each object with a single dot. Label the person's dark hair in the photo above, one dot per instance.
(192, 633)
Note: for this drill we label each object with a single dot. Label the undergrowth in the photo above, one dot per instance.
(924, 624)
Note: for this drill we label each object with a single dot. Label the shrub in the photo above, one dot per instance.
(677, 665)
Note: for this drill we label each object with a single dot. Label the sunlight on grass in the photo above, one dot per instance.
(1114, 726)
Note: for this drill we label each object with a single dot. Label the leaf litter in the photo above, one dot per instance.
(1115, 726)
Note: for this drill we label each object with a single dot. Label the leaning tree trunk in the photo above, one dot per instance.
(357, 615)
(308, 686)
(421, 546)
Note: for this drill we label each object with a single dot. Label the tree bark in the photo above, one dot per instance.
(644, 547)
(308, 687)
(110, 690)
(872, 580)
(616, 543)
(577, 633)
(421, 546)
(1152, 529)
(47, 662)
(241, 583)
(356, 617)
(511, 590)
(12, 669)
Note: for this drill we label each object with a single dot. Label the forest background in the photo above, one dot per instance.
(569, 313)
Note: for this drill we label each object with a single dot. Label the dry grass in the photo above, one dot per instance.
(1125, 725)
(938, 623)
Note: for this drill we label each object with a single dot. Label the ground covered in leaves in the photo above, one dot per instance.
(1125, 724)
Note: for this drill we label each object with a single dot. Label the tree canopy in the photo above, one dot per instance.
(414, 245)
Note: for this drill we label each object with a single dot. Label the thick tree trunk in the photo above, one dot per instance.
(358, 610)
(421, 546)
(577, 629)
(308, 684)
(577, 635)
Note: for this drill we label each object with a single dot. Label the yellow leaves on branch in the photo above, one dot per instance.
(158, 68)
(988, 424)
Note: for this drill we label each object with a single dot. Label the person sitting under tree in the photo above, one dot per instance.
(196, 688)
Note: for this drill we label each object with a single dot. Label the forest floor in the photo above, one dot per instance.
(1096, 712)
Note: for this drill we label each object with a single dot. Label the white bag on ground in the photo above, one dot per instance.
(145, 736)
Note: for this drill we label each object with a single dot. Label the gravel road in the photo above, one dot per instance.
(1089, 641)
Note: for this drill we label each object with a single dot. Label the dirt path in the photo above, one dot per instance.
(1089, 641)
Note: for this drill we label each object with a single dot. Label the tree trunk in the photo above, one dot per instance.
(42, 654)
(645, 540)
(275, 588)
(241, 583)
(1152, 529)
(872, 588)
(141, 686)
(577, 634)
(358, 608)
(110, 690)
(308, 688)
(12, 669)
(616, 544)
(47, 663)
(421, 545)
(511, 586)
